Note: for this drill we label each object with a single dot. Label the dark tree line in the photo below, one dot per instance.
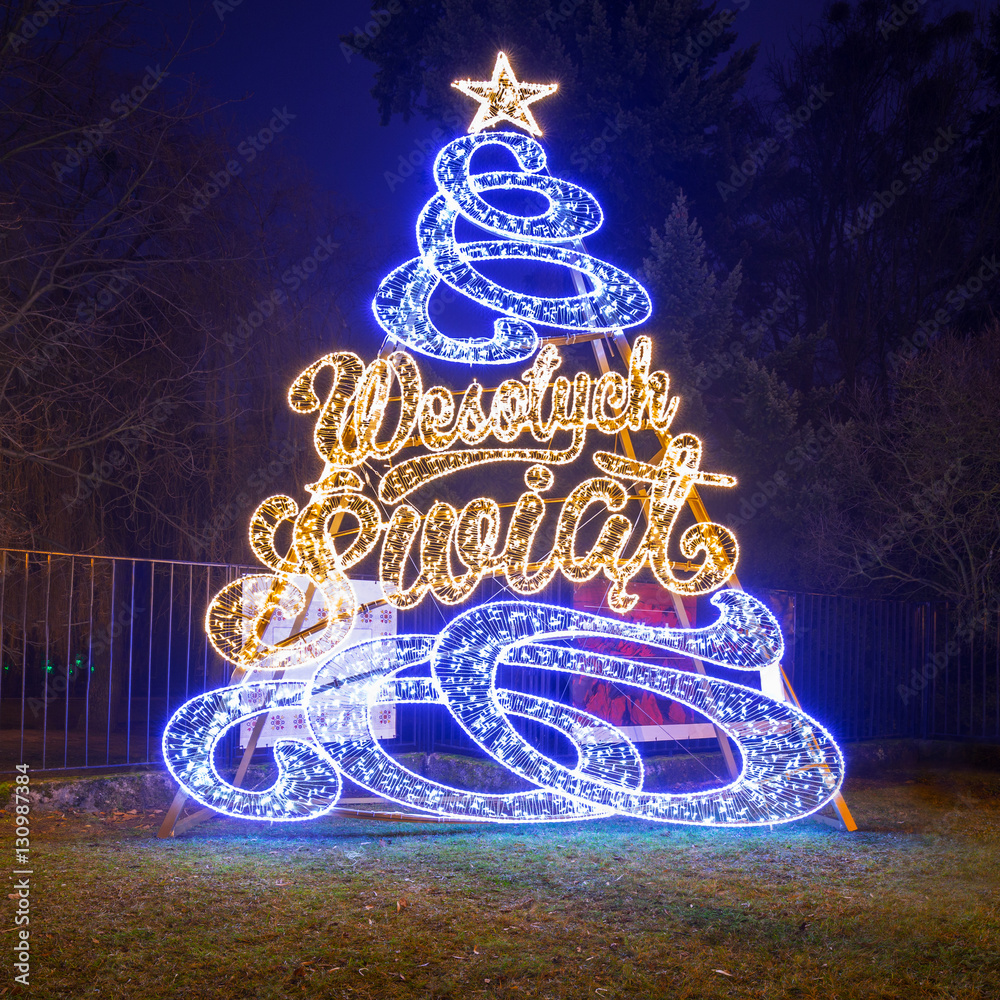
(813, 253)
(804, 248)
(144, 320)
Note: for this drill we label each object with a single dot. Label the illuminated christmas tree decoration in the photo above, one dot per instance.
(401, 306)
(504, 98)
(384, 437)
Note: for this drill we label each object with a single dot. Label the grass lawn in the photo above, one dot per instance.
(343, 908)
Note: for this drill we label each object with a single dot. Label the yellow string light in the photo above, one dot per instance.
(370, 413)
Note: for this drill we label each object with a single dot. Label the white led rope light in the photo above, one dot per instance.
(308, 784)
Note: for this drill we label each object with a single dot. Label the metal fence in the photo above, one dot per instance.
(96, 653)
(877, 669)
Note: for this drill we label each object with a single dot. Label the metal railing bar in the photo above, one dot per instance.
(148, 767)
(90, 670)
(133, 559)
(111, 656)
(131, 644)
(187, 669)
(24, 649)
(3, 599)
(149, 655)
(208, 590)
(996, 730)
(45, 662)
(69, 656)
(972, 683)
(170, 634)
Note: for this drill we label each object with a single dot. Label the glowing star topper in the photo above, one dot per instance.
(505, 98)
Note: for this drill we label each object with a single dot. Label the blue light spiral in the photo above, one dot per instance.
(401, 305)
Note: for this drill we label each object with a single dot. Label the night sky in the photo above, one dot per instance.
(266, 58)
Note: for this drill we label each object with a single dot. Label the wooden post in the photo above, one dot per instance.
(679, 609)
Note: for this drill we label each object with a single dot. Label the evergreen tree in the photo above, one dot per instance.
(735, 396)
(693, 307)
(866, 211)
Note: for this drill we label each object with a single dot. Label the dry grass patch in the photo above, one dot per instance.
(616, 909)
